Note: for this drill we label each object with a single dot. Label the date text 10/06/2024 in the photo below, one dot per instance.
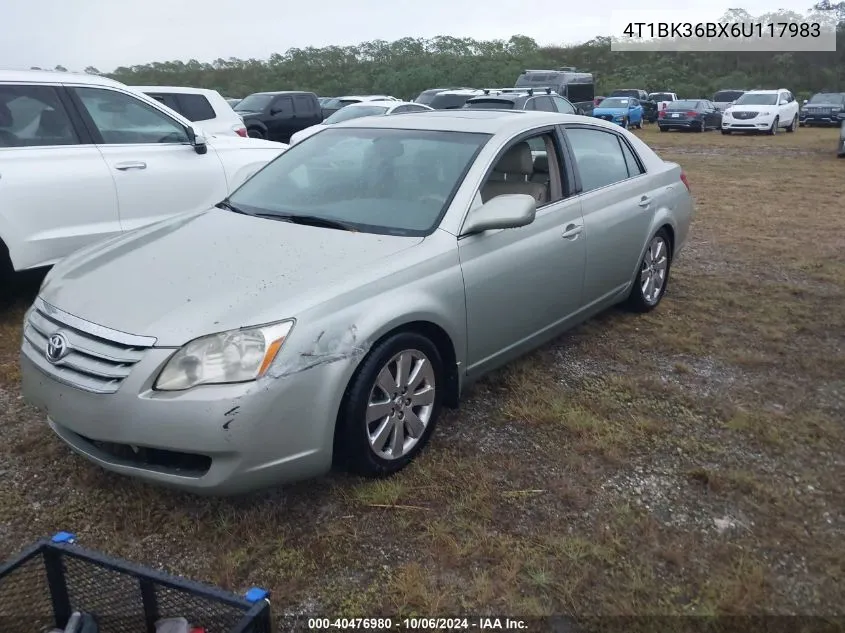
(642, 30)
(422, 624)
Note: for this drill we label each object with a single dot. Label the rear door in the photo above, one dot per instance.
(618, 204)
(280, 119)
(56, 191)
(155, 169)
(306, 110)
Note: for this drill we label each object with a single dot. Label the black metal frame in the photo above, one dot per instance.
(254, 613)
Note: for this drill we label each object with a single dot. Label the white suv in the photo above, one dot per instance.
(84, 158)
(207, 108)
(762, 111)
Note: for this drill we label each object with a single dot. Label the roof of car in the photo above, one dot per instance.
(767, 91)
(469, 120)
(177, 89)
(285, 92)
(52, 76)
(380, 102)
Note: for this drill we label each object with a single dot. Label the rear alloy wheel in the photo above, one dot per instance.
(774, 129)
(794, 125)
(392, 406)
(653, 277)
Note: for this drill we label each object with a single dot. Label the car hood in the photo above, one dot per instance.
(211, 271)
(753, 108)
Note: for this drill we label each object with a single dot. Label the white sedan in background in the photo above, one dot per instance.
(357, 110)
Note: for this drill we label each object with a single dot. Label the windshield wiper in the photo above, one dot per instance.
(225, 204)
(309, 220)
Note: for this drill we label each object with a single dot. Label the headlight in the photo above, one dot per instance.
(228, 357)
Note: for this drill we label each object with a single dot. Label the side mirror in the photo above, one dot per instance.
(783, 102)
(508, 211)
(805, 102)
(198, 141)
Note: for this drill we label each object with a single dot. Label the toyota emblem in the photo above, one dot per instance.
(57, 347)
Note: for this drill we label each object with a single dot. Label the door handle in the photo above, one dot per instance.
(132, 164)
(572, 231)
(644, 201)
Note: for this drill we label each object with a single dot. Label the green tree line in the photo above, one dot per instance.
(407, 66)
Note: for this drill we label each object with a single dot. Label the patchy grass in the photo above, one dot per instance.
(688, 461)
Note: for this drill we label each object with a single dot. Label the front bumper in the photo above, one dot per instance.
(212, 439)
(758, 124)
(680, 124)
(822, 119)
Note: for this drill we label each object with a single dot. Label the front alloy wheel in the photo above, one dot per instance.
(774, 129)
(392, 406)
(650, 284)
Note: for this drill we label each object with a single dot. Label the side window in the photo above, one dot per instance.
(530, 104)
(631, 163)
(195, 107)
(530, 166)
(563, 105)
(303, 104)
(402, 109)
(123, 119)
(33, 116)
(599, 157)
(545, 104)
(282, 106)
(414, 108)
(633, 103)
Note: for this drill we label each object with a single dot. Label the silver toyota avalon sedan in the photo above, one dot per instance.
(327, 310)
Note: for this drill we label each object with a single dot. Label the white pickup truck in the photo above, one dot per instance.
(662, 99)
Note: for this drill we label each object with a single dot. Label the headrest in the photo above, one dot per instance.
(5, 116)
(517, 160)
(541, 163)
(52, 121)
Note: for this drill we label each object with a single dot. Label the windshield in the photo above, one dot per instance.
(532, 79)
(726, 96)
(426, 96)
(828, 97)
(683, 105)
(254, 103)
(759, 98)
(615, 102)
(353, 113)
(491, 104)
(660, 96)
(386, 181)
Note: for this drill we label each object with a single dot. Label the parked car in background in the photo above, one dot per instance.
(333, 105)
(762, 111)
(276, 115)
(232, 102)
(520, 99)
(284, 352)
(357, 110)
(426, 96)
(624, 111)
(823, 109)
(207, 108)
(84, 158)
(725, 98)
(453, 99)
(649, 106)
(840, 152)
(697, 115)
(576, 86)
(662, 99)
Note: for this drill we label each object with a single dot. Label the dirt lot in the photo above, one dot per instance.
(685, 462)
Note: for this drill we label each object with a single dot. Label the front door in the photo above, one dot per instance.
(155, 169)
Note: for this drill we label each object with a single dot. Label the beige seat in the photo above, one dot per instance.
(541, 170)
(516, 166)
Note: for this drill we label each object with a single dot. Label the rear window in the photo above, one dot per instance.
(448, 101)
(195, 107)
(490, 104)
(660, 96)
(683, 105)
(726, 96)
(426, 96)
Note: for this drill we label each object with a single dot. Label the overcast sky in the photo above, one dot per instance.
(111, 33)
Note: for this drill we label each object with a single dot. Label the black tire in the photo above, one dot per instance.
(625, 124)
(8, 277)
(702, 127)
(724, 131)
(774, 129)
(637, 301)
(352, 445)
(661, 128)
(255, 132)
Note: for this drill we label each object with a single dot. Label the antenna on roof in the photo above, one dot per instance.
(487, 91)
(548, 91)
(531, 92)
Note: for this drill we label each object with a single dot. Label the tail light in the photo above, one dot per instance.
(241, 131)
(685, 181)
(692, 113)
(661, 114)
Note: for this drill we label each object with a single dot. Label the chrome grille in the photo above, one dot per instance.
(98, 359)
(742, 116)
